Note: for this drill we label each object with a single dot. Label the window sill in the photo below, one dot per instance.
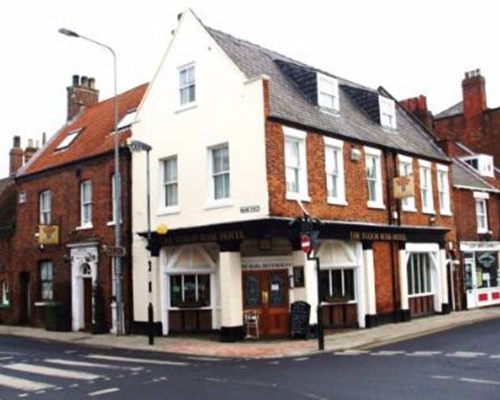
(411, 296)
(185, 107)
(111, 223)
(410, 210)
(84, 227)
(430, 211)
(45, 303)
(446, 213)
(5, 305)
(169, 210)
(214, 204)
(378, 206)
(298, 196)
(336, 202)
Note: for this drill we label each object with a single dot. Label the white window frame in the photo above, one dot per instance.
(45, 200)
(419, 274)
(85, 204)
(334, 170)
(443, 189)
(376, 156)
(426, 193)
(185, 87)
(405, 168)
(327, 92)
(183, 276)
(481, 206)
(4, 288)
(387, 109)
(298, 137)
(343, 271)
(173, 182)
(46, 281)
(214, 175)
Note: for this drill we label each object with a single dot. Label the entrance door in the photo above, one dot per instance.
(267, 293)
(24, 294)
(87, 303)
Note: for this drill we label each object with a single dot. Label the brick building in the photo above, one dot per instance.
(251, 143)
(65, 218)
(469, 132)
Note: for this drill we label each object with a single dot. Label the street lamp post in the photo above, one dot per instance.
(136, 145)
(117, 192)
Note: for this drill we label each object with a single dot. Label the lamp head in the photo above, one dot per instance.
(68, 32)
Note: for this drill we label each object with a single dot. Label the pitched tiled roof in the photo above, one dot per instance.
(457, 109)
(290, 100)
(96, 137)
(464, 176)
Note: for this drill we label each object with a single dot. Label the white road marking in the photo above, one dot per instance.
(22, 384)
(48, 371)
(155, 380)
(12, 353)
(104, 391)
(6, 358)
(442, 377)
(204, 359)
(481, 381)
(351, 352)
(387, 353)
(274, 362)
(90, 365)
(465, 354)
(137, 360)
(301, 359)
(423, 353)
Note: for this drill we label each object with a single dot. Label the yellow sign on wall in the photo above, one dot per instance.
(48, 234)
(404, 187)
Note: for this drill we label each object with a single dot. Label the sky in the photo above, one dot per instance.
(409, 48)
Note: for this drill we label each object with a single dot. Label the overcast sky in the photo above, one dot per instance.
(409, 47)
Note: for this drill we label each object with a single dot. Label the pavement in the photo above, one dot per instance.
(208, 346)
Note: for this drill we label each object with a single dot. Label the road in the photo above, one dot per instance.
(462, 363)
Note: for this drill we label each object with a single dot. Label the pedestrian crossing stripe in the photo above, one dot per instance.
(136, 360)
(89, 364)
(48, 371)
(25, 385)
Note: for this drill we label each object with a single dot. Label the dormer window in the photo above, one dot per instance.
(68, 140)
(328, 93)
(127, 120)
(387, 112)
(482, 163)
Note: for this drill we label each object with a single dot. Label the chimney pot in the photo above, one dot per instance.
(84, 81)
(91, 83)
(17, 142)
(76, 78)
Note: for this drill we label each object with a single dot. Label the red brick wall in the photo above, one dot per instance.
(64, 183)
(384, 285)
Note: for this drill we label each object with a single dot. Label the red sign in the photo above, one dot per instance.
(305, 243)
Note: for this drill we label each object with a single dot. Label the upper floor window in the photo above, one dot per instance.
(170, 185)
(46, 280)
(220, 172)
(4, 293)
(443, 189)
(481, 211)
(387, 112)
(426, 187)
(45, 207)
(374, 177)
(295, 164)
(86, 203)
(187, 84)
(405, 167)
(334, 169)
(328, 92)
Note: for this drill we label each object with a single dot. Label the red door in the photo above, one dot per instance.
(267, 293)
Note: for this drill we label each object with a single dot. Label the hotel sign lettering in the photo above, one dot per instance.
(387, 236)
(189, 238)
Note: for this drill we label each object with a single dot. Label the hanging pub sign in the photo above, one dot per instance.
(48, 234)
(403, 187)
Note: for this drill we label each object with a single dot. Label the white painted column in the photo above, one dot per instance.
(403, 280)
(231, 297)
(369, 267)
(311, 284)
(444, 280)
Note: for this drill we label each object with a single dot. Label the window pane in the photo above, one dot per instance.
(349, 283)
(175, 290)
(324, 284)
(204, 290)
(252, 290)
(190, 289)
(337, 284)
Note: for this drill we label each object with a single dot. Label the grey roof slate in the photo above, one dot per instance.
(457, 109)
(289, 101)
(464, 176)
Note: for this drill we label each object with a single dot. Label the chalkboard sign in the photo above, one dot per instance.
(299, 319)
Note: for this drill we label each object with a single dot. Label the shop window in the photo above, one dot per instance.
(419, 274)
(486, 269)
(46, 280)
(4, 295)
(337, 285)
(190, 290)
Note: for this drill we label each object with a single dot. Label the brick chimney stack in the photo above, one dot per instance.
(418, 107)
(16, 156)
(29, 150)
(474, 94)
(81, 94)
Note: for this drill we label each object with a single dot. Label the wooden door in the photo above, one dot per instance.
(87, 303)
(267, 293)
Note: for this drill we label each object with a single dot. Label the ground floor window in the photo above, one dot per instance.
(419, 274)
(337, 284)
(4, 293)
(46, 280)
(485, 271)
(190, 290)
